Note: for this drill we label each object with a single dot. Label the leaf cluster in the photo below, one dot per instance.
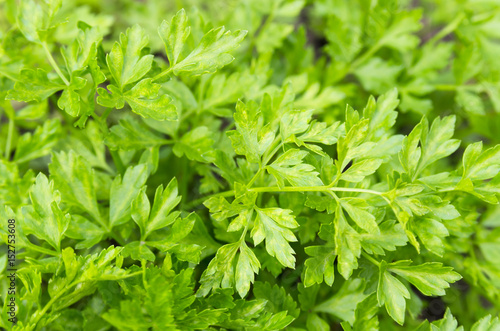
(262, 165)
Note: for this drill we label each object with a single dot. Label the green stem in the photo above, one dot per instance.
(30, 308)
(9, 138)
(102, 120)
(63, 291)
(449, 87)
(472, 252)
(254, 178)
(95, 117)
(54, 64)
(48, 305)
(118, 161)
(103, 126)
(320, 189)
(200, 97)
(187, 114)
(333, 195)
(274, 151)
(163, 73)
(242, 238)
(143, 272)
(5, 74)
(199, 201)
(313, 189)
(366, 55)
(371, 259)
(442, 33)
(445, 87)
(266, 160)
(451, 189)
(293, 189)
(40, 249)
(133, 274)
(106, 113)
(450, 27)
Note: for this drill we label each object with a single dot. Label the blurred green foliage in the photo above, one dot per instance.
(182, 165)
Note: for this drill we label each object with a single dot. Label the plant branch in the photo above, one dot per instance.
(199, 201)
(274, 151)
(313, 189)
(254, 177)
(292, 189)
(54, 64)
(366, 55)
(117, 161)
(163, 73)
(105, 114)
(42, 313)
(8, 143)
(371, 259)
(450, 27)
(43, 250)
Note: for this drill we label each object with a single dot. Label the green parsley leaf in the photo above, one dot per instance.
(289, 167)
(174, 35)
(72, 175)
(125, 61)
(430, 278)
(273, 225)
(34, 85)
(44, 218)
(392, 293)
(211, 54)
(32, 146)
(123, 191)
(319, 266)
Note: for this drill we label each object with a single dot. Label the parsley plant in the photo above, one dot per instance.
(250, 165)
